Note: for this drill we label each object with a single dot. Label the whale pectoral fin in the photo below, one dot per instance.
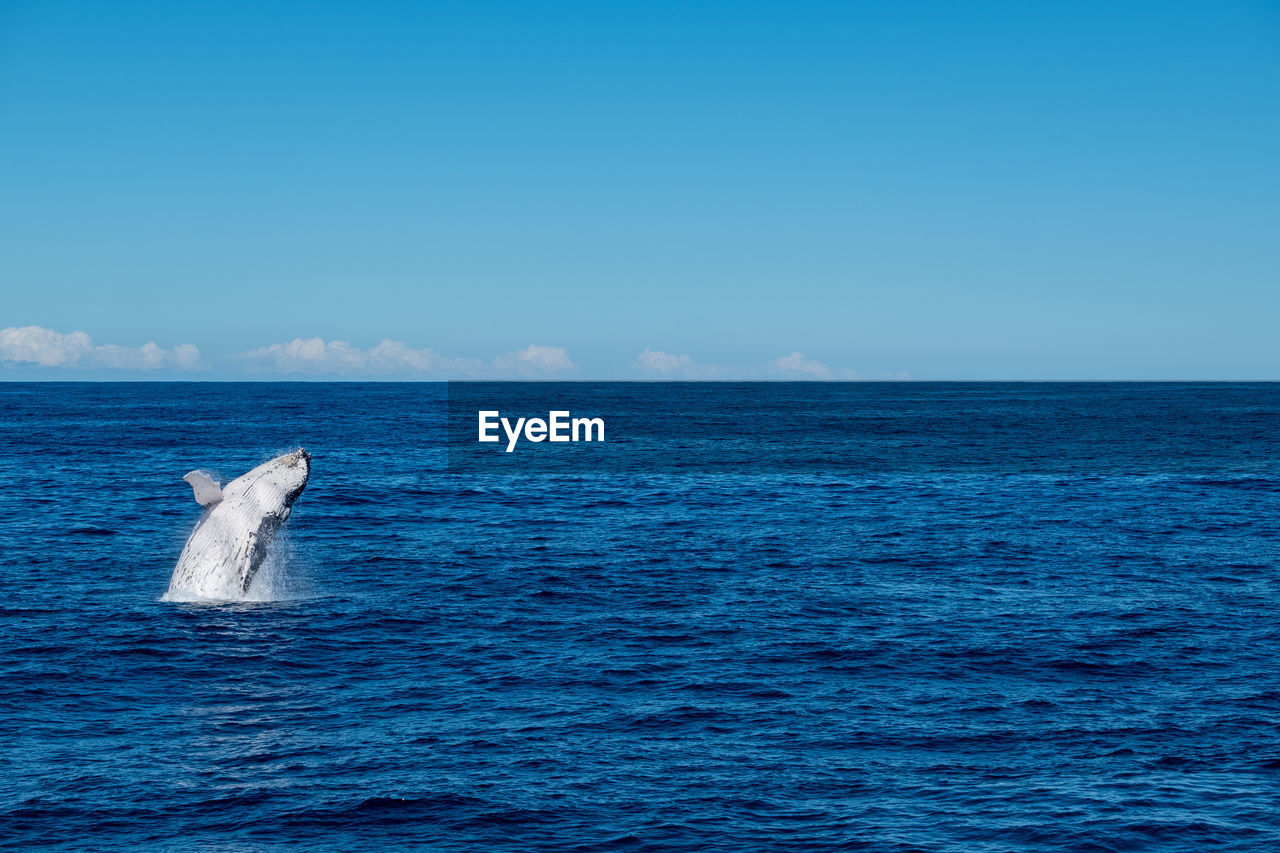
(206, 489)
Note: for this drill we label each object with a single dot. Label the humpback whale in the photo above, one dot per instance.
(230, 542)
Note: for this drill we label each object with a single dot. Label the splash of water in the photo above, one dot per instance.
(284, 576)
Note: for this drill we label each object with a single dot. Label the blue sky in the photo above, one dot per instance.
(933, 190)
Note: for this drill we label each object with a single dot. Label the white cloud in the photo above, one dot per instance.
(666, 365)
(315, 356)
(47, 348)
(392, 356)
(534, 360)
(148, 357)
(796, 366)
(38, 345)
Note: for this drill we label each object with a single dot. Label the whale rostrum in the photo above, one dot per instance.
(230, 542)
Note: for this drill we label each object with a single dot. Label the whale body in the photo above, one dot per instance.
(230, 542)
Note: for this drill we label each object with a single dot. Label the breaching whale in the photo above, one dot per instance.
(230, 542)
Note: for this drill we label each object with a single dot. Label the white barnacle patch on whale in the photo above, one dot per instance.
(233, 537)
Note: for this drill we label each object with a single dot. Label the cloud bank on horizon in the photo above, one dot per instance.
(315, 356)
(36, 345)
(55, 354)
(657, 364)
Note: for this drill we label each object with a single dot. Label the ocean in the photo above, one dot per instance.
(843, 616)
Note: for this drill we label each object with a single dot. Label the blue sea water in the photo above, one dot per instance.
(996, 617)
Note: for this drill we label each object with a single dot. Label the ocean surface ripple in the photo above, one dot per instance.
(1068, 657)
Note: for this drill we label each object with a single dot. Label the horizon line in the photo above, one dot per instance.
(581, 381)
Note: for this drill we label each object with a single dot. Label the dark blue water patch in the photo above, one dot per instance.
(843, 427)
(931, 657)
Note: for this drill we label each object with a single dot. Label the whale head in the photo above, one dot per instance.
(292, 471)
(269, 490)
